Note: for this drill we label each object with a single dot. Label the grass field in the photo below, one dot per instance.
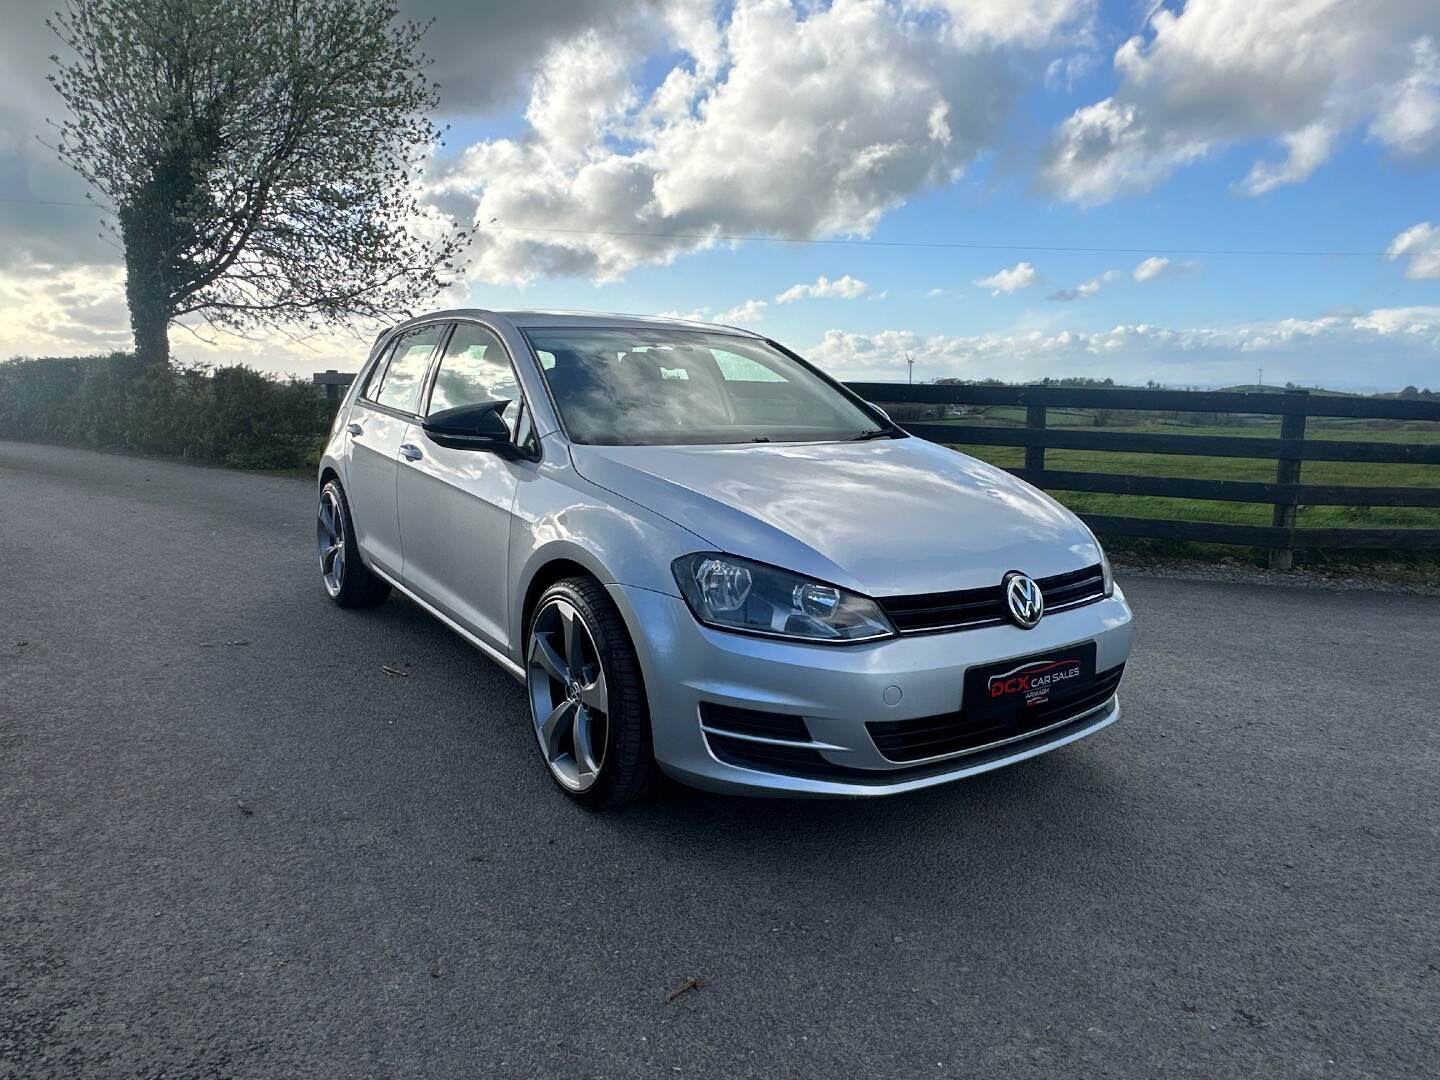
(1218, 468)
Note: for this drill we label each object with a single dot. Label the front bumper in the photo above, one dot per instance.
(838, 689)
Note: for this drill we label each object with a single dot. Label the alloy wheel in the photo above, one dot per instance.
(330, 539)
(569, 700)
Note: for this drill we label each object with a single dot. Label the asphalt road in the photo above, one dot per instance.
(230, 845)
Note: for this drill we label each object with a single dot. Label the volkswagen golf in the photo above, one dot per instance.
(705, 558)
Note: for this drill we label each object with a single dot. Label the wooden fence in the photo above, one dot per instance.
(1289, 452)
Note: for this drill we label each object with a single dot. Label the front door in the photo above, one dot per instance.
(374, 432)
(455, 505)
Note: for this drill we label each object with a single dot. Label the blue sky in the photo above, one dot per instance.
(1358, 205)
(1005, 199)
(1014, 129)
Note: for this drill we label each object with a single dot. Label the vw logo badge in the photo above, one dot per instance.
(1023, 599)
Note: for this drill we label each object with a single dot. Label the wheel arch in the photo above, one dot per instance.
(554, 562)
(570, 529)
(547, 573)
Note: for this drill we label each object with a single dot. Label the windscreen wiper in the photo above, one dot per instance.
(877, 433)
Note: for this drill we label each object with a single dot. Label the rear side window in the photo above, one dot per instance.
(399, 386)
(475, 369)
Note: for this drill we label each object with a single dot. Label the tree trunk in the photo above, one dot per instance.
(151, 325)
(146, 289)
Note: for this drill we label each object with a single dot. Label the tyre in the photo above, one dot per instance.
(347, 579)
(587, 699)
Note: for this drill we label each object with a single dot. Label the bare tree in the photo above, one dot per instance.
(260, 158)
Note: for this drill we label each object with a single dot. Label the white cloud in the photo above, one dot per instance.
(1026, 22)
(875, 108)
(791, 118)
(1421, 245)
(845, 288)
(1105, 150)
(748, 311)
(1403, 343)
(1020, 276)
(79, 310)
(483, 57)
(483, 52)
(1154, 267)
(1085, 289)
(751, 311)
(48, 310)
(1221, 72)
(574, 96)
(1082, 291)
(1408, 119)
(1305, 151)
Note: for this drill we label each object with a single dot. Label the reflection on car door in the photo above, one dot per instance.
(375, 430)
(455, 505)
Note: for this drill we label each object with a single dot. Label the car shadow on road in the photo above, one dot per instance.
(1039, 790)
(1021, 818)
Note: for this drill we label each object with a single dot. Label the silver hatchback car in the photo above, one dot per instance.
(705, 558)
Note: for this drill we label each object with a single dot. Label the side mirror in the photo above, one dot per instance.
(472, 427)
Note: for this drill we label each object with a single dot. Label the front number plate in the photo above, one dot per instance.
(1009, 689)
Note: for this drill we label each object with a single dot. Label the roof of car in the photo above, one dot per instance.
(591, 319)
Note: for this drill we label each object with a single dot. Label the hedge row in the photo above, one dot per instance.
(234, 416)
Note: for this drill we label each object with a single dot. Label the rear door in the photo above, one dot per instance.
(455, 505)
(376, 428)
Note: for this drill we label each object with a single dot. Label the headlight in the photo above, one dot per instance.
(1105, 569)
(737, 594)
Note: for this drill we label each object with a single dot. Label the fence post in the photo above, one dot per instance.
(1034, 421)
(333, 383)
(1287, 471)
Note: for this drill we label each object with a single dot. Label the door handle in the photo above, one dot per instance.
(355, 429)
(410, 452)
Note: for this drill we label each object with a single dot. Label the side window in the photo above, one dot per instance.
(405, 374)
(524, 429)
(377, 373)
(476, 369)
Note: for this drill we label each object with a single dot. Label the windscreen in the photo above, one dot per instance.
(656, 387)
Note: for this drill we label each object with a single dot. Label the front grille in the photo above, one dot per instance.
(809, 765)
(1073, 589)
(968, 609)
(953, 733)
